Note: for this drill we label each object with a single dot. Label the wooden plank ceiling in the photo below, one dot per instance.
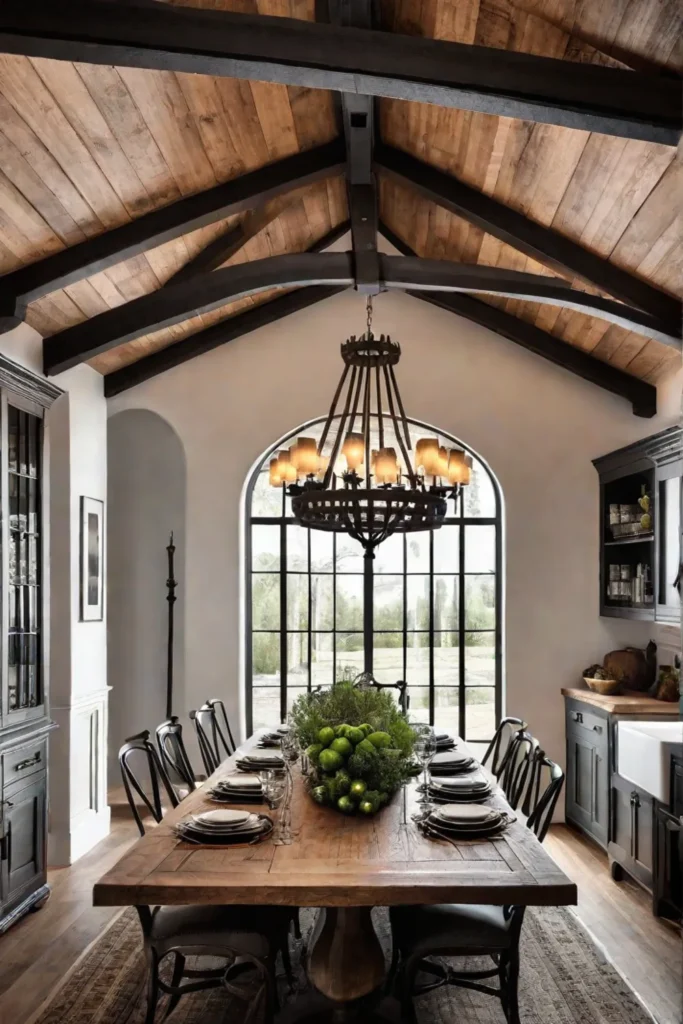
(86, 148)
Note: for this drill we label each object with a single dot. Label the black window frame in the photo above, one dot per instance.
(367, 630)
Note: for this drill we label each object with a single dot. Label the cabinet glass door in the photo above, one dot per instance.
(23, 538)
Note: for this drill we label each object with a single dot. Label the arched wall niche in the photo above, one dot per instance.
(147, 501)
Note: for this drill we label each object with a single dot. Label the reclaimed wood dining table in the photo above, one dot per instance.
(343, 865)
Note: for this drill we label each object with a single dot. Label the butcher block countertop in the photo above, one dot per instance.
(627, 703)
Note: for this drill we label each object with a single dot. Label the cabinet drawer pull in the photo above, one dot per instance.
(597, 728)
(19, 767)
(577, 716)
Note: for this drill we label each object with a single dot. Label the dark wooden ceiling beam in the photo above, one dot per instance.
(202, 294)
(357, 116)
(227, 330)
(152, 229)
(223, 248)
(213, 337)
(541, 243)
(595, 98)
(642, 396)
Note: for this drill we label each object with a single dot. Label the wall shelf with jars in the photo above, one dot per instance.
(640, 529)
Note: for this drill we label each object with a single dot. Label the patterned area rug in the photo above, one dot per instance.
(565, 979)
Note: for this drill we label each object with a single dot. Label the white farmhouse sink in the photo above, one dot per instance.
(644, 754)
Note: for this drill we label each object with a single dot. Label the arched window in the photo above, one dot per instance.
(436, 606)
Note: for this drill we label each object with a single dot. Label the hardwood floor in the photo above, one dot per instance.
(646, 950)
(40, 949)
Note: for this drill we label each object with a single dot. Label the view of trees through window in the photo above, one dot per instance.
(435, 609)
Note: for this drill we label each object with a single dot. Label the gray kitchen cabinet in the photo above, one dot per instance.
(587, 794)
(631, 844)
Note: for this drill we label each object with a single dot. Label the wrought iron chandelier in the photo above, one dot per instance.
(362, 477)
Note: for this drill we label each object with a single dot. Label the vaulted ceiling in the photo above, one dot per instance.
(87, 148)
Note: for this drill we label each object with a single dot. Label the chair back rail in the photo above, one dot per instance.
(366, 681)
(139, 748)
(222, 717)
(516, 772)
(213, 744)
(498, 749)
(173, 754)
(543, 793)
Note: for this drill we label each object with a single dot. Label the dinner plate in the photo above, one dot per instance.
(193, 833)
(462, 784)
(453, 769)
(248, 827)
(455, 831)
(236, 796)
(474, 832)
(268, 755)
(468, 815)
(224, 818)
(449, 757)
(241, 782)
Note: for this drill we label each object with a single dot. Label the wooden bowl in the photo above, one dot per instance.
(603, 686)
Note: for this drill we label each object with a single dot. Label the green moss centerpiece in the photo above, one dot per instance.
(359, 745)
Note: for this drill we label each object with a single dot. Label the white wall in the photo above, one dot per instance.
(76, 432)
(537, 426)
(146, 467)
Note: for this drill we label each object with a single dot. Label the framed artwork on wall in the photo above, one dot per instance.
(92, 560)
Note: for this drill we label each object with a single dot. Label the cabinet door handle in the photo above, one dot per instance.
(19, 767)
(577, 716)
(634, 797)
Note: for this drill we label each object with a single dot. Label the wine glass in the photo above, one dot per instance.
(425, 749)
(274, 787)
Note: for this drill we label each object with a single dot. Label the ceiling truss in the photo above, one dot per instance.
(360, 63)
(347, 59)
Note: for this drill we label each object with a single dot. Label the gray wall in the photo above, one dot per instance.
(146, 486)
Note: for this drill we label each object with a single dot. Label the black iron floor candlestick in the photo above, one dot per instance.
(171, 584)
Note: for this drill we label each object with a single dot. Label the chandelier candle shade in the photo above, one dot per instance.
(362, 477)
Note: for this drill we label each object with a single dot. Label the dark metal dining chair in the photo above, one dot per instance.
(222, 716)
(517, 772)
(174, 757)
(239, 936)
(144, 778)
(471, 930)
(366, 681)
(498, 749)
(213, 744)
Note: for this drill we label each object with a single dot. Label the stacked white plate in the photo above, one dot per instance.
(466, 821)
(460, 788)
(237, 788)
(225, 827)
(452, 763)
(266, 760)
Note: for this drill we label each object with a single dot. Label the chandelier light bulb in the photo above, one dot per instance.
(426, 454)
(304, 456)
(274, 474)
(353, 450)
(457, 467)
(386, 466)
(285, 468)
(442, 464)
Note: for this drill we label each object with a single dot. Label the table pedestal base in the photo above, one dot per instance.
(346, 961)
